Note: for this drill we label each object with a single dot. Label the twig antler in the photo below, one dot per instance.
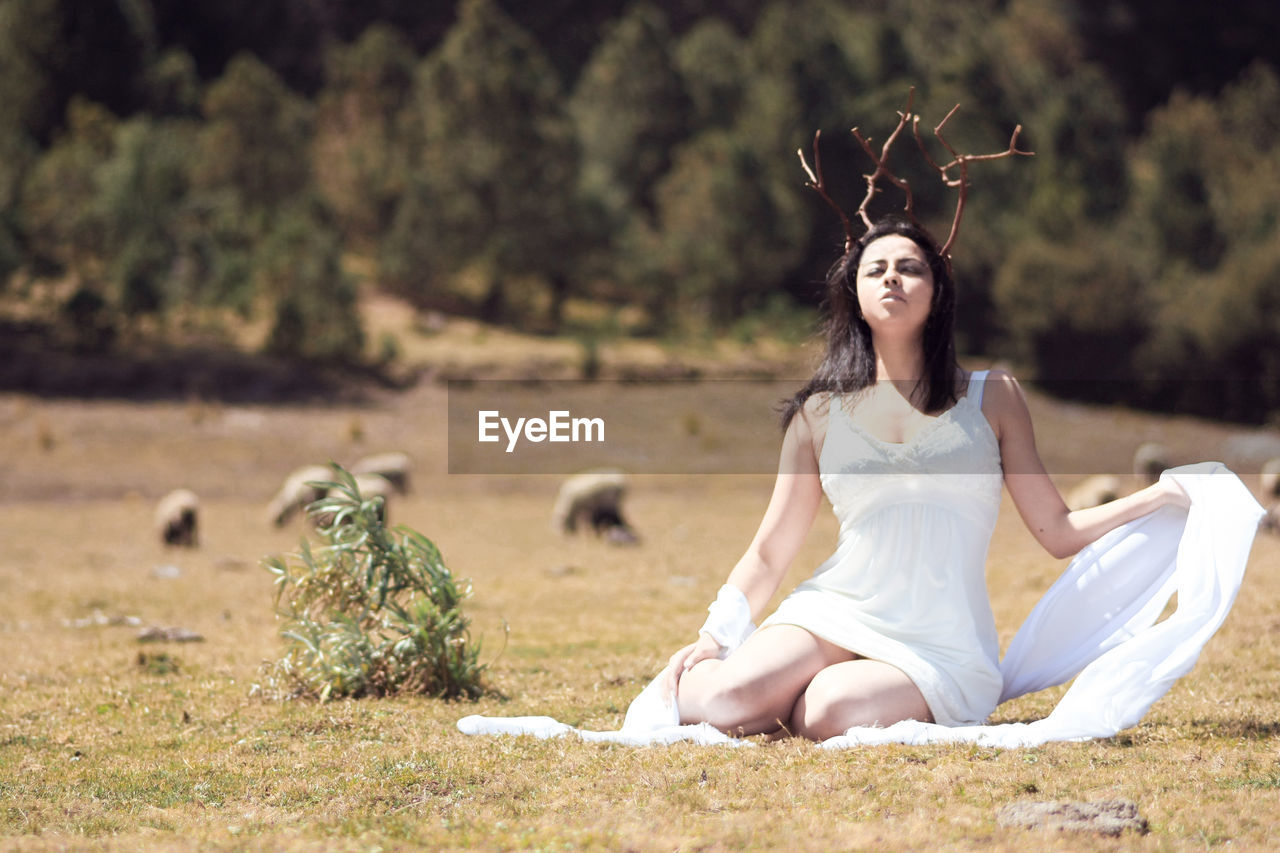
(961, 162)
(818, 182)
(882, 162)
(958, 162)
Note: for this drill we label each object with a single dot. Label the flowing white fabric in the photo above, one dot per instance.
(1097, 623)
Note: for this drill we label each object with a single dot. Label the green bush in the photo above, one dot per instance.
(372, 612)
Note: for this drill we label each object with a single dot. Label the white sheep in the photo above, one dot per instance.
(1269, 478)
(1271, 521)
(295, 493)
(594, 497)
(1094, 490)
(177, 518)
(394, 466)
(1150, 461)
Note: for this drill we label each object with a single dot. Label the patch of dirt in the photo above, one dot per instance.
(1106, 817)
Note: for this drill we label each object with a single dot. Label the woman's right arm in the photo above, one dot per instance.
(797, 494)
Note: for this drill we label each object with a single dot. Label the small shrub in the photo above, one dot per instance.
(157, 663)
(373, 611)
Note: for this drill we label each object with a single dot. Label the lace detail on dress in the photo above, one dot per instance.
(953, 459)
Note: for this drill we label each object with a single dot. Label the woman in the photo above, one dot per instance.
(911, 451)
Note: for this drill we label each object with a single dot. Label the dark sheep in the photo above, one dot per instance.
(1092, 491)
(177, 518)
(1150, 461)
(594, 498)
(1269, 479)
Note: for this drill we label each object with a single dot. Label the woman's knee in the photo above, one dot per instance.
(754, 689)
(856, 694)
(720, 699)
(824, 711)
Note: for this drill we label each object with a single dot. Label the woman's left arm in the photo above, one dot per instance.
(1061, 531)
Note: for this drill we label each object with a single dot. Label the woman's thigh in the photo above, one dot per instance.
(755, 688)
(857, 693)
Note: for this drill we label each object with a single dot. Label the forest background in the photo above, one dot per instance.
(170, 169)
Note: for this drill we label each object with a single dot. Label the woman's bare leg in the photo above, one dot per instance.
(856, 693)
(755, 689)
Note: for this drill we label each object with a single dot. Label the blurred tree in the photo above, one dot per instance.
(28, 32)
(287, 36)
(810, 46)
(141, 190)
(255, 139)
(494, 166)
(214, 254)
(1207, 204)
(712, 64)
(52, 50)
(1019, 63)
(172, 85)
(64, 234)
(110, 207)
(359, 162)
(298, 266)
(1075, 311)
(726, 232)
(1175, 297)
(1150, 49)
(255, 230)
(62, 229)
(808, 70)
(17, 155)
(630, 110)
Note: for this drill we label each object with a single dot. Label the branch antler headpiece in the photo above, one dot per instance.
(959, 162)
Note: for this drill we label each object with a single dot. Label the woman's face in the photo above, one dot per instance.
(895, 285)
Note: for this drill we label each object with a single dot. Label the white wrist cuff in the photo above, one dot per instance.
(729, 619)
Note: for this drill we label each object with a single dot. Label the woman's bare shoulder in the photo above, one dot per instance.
(809, 426)
(1004, 403)
(1002, 387)
(819, 404)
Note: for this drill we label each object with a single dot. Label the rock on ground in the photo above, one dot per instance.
(1108, 817)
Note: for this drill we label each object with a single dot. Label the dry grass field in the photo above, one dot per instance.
(108, 743)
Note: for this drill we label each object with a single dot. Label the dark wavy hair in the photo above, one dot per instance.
(849, 364)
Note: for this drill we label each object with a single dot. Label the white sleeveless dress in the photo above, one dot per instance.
(907, 583)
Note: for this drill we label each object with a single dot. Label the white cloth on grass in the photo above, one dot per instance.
(1097, 622)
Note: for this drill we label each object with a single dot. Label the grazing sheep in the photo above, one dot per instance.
(295, 494)
(1150, 461)
(1270, 522)
(596, 498)
(369, 486)
(1098, 489)
(393, 466)
(1270, 478)
(177, 517)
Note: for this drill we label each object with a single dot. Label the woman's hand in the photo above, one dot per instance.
(682, 661)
